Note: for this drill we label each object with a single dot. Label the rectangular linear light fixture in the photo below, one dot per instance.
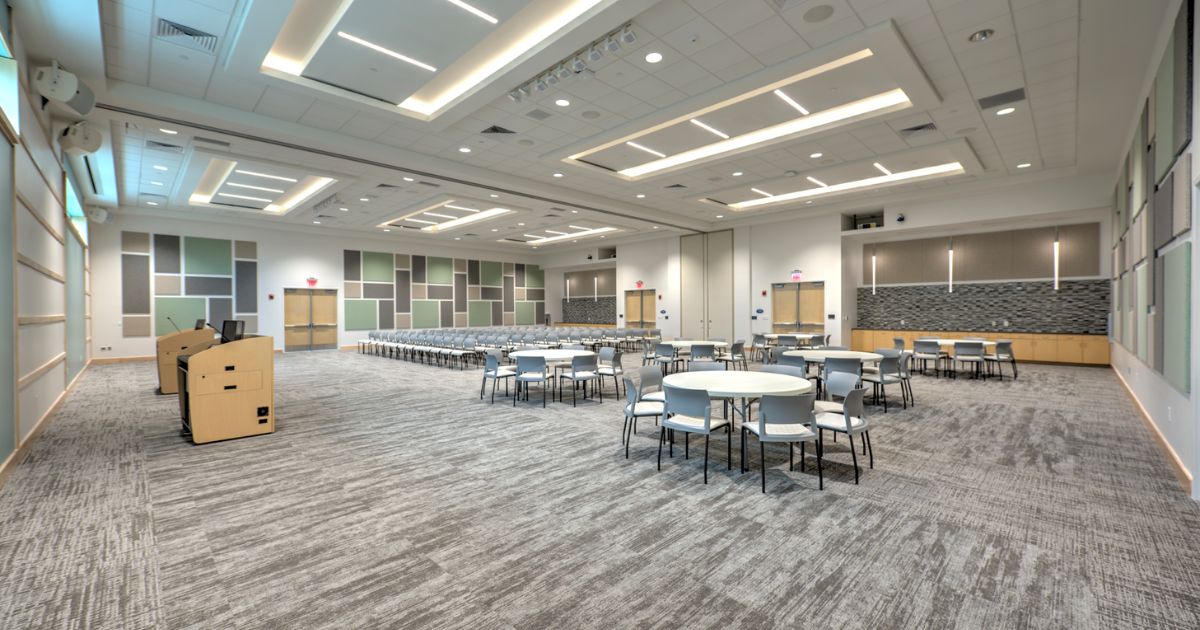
(385, 51)
(266, 176)
(871, 104)
(587, 232)
(940, 170)
(895, 99)
(714, 131)
(298, 194)
(464, 220)
(211, 180)
(474, 11)
(250, 187)
(451, 222)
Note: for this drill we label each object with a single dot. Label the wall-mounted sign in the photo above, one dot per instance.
(639, 284)
(797, 275)
(759, 311)
(663, 312)
(312, 282)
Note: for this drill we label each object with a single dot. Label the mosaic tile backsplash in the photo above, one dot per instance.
(1078, 307)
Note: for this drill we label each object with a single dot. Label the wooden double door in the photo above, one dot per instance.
(310, 319)
(641, 308)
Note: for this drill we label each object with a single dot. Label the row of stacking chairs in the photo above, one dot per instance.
(430, 345)
(438, 347)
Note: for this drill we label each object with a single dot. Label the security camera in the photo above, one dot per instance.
(899, 218)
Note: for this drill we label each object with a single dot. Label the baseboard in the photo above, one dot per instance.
(1181, 471)
(18, 453)
(107, 360)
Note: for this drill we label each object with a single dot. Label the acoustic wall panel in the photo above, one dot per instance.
(219, 310)
(204, 285)
(207, 256)
(166, 253)
(439, 270)
(426, 314)
(490, 274)
(1177, 317)
(135, 284)
(361, 314)
(245, 285)
(377, 267)
(403, 291)
(351, 264)
(184, 311)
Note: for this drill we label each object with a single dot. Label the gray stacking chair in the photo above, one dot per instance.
(1002, 353)
(852, 421)
(906, 376)
(690, 411)
(583, 370)
(706, 366)
(664, 354)
(925, 350)
(531, 370)
(968, 353)
(888, 374)
(758, 346)
(610, 365)
(702, 352)
(496, 372)
(794, 361)
(839, 384)
(787, 341)
(783, 419)
(853, 366)
(898, 343)
(650, 380)
(736, 355)
(636, 408)
(774, 353)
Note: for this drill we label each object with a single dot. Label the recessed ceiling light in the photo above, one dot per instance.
(761, 192)
(464, 149)
(466, 7)
(386, 51)
(558, 174)
(494, 196)
(715, 132)
(344, 209)
(817, 182)
(151, 203)
(387, 230)
(787, 99)
(159, 167)
(233, 196)
(169, 132)
(262, 188)
(257, 174)
(521, 224)
(364, 199)
(882, 169)
(574, 212)
(157, 183)
(816, 155)
(654, 227)
(654, 57)
(808, 203)
(409, 179)
(495, 229)
(720, 216)
(1024, 165)
(562, 102)
(1006, 111)
(980, 35)
(737, 173)
(646, 149)
(458, 238)
(316, 223)
(641, 196)
(950, 168)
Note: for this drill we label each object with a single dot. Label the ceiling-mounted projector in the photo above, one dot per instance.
(64, 89)
(80, 139)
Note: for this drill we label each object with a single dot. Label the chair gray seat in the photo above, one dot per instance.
(794, 431)
(531, 376)
(828, 406)
(645, 409)
(685, 423)
(504, 371)
(837, 422)
(881, 378)
(659, 396)
(608, 370)
(579, 375)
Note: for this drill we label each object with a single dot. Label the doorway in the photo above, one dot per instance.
(798, 307)
(641, 308)
(706, 285)
(310, 319)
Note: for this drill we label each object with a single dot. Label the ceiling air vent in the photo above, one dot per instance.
(514, 240)
(552, 216)
(497, 129)
(214, 142)
(1002, 99)
(164, 146)
(918, 129)
(538, 114)
(430, 184)
(186, 36)
(385, 187)
(675, 186)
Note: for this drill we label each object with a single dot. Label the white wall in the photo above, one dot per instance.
(655, 263)
(286, 258)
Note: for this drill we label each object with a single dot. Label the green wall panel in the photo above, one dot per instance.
(479, 313)
(1177, 317)
(1142, 275)
(535, 277)
(526, 312)
(426, 314)
(439, 270)
(184, 310)
(491, 274)
(377, 267)
(8, 378)
(361, 314)
(1164, 113)
(76, 307)
(207, 256)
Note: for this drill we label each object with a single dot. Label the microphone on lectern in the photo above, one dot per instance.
(224, 339)
(173, 323)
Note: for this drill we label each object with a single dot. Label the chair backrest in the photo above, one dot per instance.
(703, 351)
(968, 348)
(492, 359)
(774, 354)
(606, 353)
(888, 352)
(586, 363)
(758, 341)
(927, 346)
(649, 377)
(633, 392)
(785, 410)
(898, 343)
(1004, 348)
(793, 360)
(664, 350)
(526, 365)
(852, 407)
(890, 366)
(705, 366)
(737, 349)
(852, 366)
(790, 370)
(906, 364)
(689, 402)
(787, 340)
(840, 384)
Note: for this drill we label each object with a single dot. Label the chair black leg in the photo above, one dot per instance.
(820, 468)
(791, 458)
(481, 387)
(705, 459)
(854, 456)
(762, 465)
(870, 451)
(729, 448)
(802, 457)
(662, 435)
(687, 438)
(742, 449)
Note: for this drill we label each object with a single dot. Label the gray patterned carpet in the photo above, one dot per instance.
(391, 497)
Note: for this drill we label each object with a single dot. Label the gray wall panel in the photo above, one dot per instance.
(246, 286)
(418, 269)
(135, 284)
(460, 293)
(202, 285)
(352, 264)
(219, 310)
(440, 292)
(166, 253)
(509, 291)
(403, 292)
(447, 309)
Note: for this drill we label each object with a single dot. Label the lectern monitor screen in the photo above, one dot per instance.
(200, 324)
(232, 330)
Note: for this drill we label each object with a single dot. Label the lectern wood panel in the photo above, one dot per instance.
(171, 346)
(230, 390)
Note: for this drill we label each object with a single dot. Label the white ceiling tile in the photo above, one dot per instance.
(732, 16)
(234, 92)
(619, 73)
(283, 104)
(694, 36)
(683, 73)
(326, 115)
(833, 31)
(720, 55)
(647, 88)
(665, 17)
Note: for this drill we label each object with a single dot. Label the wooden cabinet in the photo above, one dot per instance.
(1042, 348)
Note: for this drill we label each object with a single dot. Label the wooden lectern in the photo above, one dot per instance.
(228, 390)
(173, 345)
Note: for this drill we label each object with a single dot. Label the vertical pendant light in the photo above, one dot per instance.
(1055, 259)
(595, 288)
(874, 249)
(950, 258)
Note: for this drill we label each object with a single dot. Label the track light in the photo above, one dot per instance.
(579, 65)
(563, 72)
(628, 36)
(551, 78)
(540, 85)
(523, 91)
(515, 96)
(612, 45)
(595, 54)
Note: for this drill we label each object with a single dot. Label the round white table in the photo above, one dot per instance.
(951, 342)
(551, 355)
(796, 335)
(688, 344)
(819, 356)
(734, 384)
